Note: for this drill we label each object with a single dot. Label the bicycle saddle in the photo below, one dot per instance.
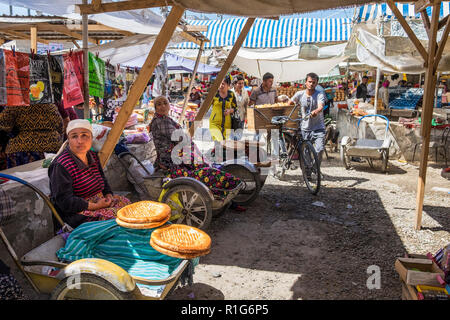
(279, 119)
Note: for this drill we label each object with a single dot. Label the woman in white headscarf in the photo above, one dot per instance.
(79, 189)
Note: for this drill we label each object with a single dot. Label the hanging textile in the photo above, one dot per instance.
(160, 83)
(110, 84)
(55, 69)
(17, 65)
(121, 88)
(2, 79)
(40, 88)
(73, 79)
(96, 76)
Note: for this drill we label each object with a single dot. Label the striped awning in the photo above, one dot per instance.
(269, 33)
(372, 12)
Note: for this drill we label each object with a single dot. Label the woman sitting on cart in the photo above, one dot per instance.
(161, 128)
(78, 186)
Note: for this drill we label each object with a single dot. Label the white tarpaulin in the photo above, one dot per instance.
(144, 21)
(289, 53)
(286, 70)
(371, 50)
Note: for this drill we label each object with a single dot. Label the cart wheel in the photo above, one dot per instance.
(345, 158)
(309, 163)
(88, 287)
(385, 160)
(252, 184)
(193, 206)
(221, 211)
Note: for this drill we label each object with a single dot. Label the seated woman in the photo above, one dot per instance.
(78, 185)
(161, 128)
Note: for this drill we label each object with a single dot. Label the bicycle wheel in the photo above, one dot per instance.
(309, 163)
(252, 184)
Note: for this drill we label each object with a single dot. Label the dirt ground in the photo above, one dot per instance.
(284, 247)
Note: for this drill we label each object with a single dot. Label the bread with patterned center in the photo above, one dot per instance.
(149, 225)
(181, 238)
(144, 212)
(178, 255)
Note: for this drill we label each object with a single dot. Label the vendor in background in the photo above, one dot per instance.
(147, 95)
(38, 129)
(361, 91)
(371, 89)
(265, 93)
(223, 106)
(383, 93)
(79, 189)
(196, 96)
(242, 98)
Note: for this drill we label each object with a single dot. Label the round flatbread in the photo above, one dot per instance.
(149, 225)
(174, 254)
(181, 238)
(144, 212)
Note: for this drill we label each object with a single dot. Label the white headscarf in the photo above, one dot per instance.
(74, 124)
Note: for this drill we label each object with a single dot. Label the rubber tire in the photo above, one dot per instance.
(344, 158)
(304, 145)
(385, 160)
(202, 194)
(90, 278)
(232, 169)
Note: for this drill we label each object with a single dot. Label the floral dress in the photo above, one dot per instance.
(219, 182)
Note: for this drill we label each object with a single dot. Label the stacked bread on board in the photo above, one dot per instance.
(175, 240)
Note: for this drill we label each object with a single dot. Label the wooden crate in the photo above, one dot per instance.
(260, 118)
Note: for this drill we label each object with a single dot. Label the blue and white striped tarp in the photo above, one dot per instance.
(370, 12)
(269, 33)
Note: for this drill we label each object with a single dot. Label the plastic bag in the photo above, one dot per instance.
(96, 76)
(99, 133)
(73, 79)
(137, 138)
(55, 70)
(40, 87)
(2, 79)
(17, 78)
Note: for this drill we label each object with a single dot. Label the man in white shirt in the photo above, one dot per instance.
(242, 97)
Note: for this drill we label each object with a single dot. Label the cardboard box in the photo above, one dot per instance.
(418, 271)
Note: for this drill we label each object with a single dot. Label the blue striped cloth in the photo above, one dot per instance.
(128, 248)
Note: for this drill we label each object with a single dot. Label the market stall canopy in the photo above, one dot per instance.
(371, 12)
(269, 33)
(132, 52)
(143, 21)
(287, 70)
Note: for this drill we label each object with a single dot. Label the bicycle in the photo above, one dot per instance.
(291, 143)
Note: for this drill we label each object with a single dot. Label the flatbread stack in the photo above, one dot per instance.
(181, 241)
(143, 215)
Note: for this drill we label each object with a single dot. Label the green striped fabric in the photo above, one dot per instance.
(128, 248)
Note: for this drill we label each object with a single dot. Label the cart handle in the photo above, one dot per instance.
(376, 115)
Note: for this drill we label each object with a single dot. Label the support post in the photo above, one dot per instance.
(191, 84)
(215, 86)
(85, 63)
(139, 85)
(33, 39)
(427, 112)
(377, 87)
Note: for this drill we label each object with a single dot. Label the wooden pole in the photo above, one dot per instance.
(33, 39)
(427, 113)
(139, 85)
(191, 83)
(85, 63)
(215, 86)
(377, 87)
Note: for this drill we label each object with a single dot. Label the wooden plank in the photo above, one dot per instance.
(442, 23)
(96, 4)
(139, 85)
(442, 43)
(408, 30)
(191, 28)
(76, 44)
(191, 84)
(421, 5)
(215, 86)
(33, 39)
(426, 21)
(427, 113)
(191, 38)
(20, 35)
(63, 29)
(121, 6)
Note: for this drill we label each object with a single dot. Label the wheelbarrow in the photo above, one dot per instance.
(191, 201)
(370, 149)
(87, 279)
